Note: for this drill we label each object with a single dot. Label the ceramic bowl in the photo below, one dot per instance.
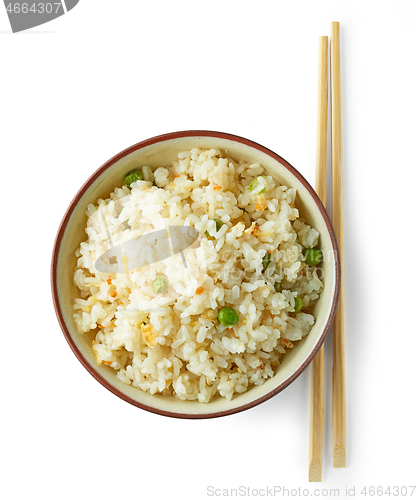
(160, 151)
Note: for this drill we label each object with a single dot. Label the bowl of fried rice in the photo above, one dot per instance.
(195, 274)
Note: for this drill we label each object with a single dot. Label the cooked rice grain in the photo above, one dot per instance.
(172, 343)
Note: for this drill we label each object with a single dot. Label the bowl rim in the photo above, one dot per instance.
(96, 175)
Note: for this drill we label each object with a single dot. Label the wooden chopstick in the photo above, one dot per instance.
(315, 458)
(339, 368)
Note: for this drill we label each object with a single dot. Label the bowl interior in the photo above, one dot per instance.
(161, 153)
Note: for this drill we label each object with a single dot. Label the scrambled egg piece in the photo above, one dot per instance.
(149, 334)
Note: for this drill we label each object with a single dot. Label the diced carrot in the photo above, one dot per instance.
(255, 230)
(101, 326)
(113, 294)
(109, 281)
(217, 188)
(176, 176)
(107, 362)
(199, 290)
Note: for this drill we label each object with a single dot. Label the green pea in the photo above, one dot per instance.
(228, 316)
(219, 224)
(298, 304)
(159, 285)
(133, 176)
(266, 260)
(313, 256)
(254, 184)
(277, 286)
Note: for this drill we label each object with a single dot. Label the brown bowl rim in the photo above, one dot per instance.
(90, 181)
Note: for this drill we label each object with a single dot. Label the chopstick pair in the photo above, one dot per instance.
(339, 380)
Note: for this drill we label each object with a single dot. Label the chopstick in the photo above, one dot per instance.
(315, 459)
(339, 368)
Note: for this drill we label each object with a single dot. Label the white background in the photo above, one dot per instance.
(109, 74)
